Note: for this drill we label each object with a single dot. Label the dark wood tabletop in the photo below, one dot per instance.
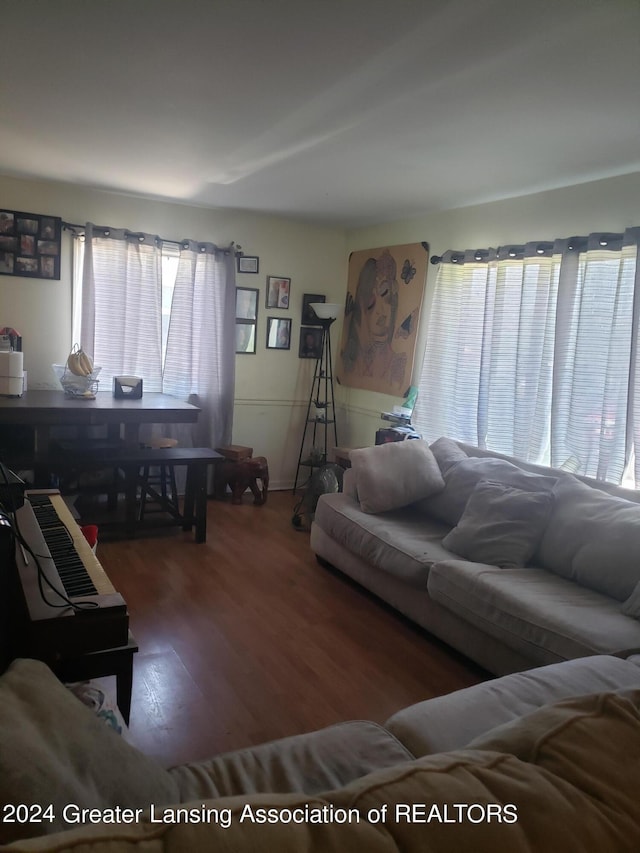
(42, 410)
(55, 407)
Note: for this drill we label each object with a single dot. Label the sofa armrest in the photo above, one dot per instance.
(308, 763)
(453, 721)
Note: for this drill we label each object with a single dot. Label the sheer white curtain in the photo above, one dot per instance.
(487, 371)
(633, 425)
(597, 323)
(121, 304)
(121, 324)
(200, 355)
(450, 381)
(533, 351)
(516, 387)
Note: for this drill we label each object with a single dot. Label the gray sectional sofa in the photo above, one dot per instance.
(512, 564)
(547, 760)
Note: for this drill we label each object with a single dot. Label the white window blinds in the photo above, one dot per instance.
(122, 304)
(532, 351)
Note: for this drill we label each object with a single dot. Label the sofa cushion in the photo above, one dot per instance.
(593, 538)
(402, 543)
(543, 616)
(53, 749)
(563, 778)
(306, 763)
(500, 525)
(390, 476)
(447, 452)
(569, 774)
(462, 477)
(563, 734)
(453, 721)
(631, 607)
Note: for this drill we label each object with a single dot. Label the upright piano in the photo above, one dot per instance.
(67, 607)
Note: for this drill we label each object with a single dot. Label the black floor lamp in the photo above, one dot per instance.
(321, 414)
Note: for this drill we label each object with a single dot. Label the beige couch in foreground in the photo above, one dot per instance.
(512, 564)
(493, 767)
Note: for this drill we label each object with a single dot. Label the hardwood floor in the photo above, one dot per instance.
(246, 638)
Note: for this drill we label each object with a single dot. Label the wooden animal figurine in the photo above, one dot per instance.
(240, 476)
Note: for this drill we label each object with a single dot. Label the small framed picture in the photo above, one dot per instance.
(309, 316)
(246, 319)
(248, 263)
(247, 303)
(310, 342)
(278, 333)
(278, 289)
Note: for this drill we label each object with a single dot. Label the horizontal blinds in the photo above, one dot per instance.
(532, 350)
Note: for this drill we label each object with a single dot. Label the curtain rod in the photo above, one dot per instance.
(73, 226)
(603, 239)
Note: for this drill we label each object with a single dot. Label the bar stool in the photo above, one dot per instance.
(158, 486)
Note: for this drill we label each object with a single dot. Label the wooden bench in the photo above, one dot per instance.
(130, 461)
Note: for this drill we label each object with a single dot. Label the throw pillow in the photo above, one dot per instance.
(447, 452)
(593, 539)
(393, 475)
(501, 525)
(631, 606)
(462, 477)
(53, 750)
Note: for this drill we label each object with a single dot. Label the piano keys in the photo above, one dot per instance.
(69, 605)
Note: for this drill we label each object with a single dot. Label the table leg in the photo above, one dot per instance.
(195, 501)
(130, 499)
(189, 500)
(201, 503)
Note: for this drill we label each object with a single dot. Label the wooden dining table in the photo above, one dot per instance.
(42, 410)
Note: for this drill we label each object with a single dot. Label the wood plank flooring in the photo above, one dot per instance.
(246, 638)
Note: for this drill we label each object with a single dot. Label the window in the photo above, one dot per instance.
(170, 258)
(532, 351)
(162, 311)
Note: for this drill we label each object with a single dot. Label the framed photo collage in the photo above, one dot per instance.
(29, 244)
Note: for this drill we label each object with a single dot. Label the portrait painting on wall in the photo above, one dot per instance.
(384, 298)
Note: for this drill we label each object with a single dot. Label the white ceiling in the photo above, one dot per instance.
(340, 111)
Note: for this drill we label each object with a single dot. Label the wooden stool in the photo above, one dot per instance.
(164, 481)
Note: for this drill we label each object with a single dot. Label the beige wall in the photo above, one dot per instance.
(607, 205)
(272, 387)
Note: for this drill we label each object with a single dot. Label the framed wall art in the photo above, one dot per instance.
(278, 291)
(309, 316)
(246, 319)
(248, 263)
(384, 299)
(310, 342)
(29, 244)
(278, 333)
